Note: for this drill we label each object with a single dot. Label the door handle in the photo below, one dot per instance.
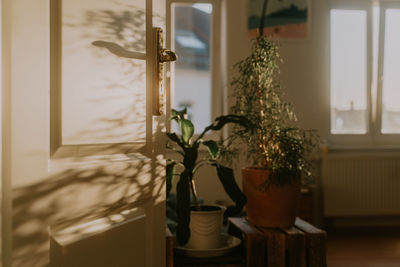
(162, 55)
(166, 55)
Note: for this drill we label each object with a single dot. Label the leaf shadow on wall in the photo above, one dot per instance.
(73, 197)
(112, 88)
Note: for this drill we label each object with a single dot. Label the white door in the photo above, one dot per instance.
(82, 158)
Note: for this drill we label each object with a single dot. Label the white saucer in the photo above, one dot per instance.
(228, 243)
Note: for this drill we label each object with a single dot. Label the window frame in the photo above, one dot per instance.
(373, 138)
(217, 90)
(390, 138)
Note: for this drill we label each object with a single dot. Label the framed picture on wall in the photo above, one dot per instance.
(286, 19)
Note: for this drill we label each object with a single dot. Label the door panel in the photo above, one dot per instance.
(84, 146)
(103, 71)
(112, 241)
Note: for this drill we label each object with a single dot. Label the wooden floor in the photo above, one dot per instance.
(363, 247)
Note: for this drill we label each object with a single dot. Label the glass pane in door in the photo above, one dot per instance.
(192, 42)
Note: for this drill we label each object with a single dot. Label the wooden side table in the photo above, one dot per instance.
(300, 246)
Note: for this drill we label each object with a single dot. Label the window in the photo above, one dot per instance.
(390, 85)
(348, 71)
(195, 82)
(364, 76)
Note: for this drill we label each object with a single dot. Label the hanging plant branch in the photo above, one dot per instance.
(274, 140)
(262, 18)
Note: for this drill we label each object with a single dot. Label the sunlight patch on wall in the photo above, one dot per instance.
(103, 92)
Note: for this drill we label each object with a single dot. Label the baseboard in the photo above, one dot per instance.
(370, 221)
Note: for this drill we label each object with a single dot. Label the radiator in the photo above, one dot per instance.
(361, 184)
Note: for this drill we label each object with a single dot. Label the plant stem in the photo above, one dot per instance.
(260, 114)
(262, 144)
(194, 193)
(264, 9)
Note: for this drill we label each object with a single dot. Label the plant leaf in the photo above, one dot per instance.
(222, 120)
(190, 158)
(228, 181)
(178, 114)
(183, 208)
(213, 148)
(187, 130)
(174, 137)
(170, 170)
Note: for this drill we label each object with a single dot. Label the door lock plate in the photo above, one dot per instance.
(162, 55)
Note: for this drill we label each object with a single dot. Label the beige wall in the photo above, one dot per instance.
(304, 75)
(304, 72)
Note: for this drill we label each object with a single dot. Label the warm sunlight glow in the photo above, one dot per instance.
(103, 71)
(82, 230)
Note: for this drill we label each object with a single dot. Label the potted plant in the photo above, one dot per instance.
(187, 146)
(276, 145)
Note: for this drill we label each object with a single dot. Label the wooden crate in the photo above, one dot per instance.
(305, 208)
(233, 259)
(300, 246)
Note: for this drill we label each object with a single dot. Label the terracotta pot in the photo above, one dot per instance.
(205, 227)
(275, 207)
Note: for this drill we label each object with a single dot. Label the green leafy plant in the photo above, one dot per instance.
(187, 146)
(274, 140)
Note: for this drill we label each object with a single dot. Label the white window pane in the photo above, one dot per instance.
(348, 72)
(192, 28)
(391, 77)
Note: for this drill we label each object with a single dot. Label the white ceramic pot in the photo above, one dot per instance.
(205, 227)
